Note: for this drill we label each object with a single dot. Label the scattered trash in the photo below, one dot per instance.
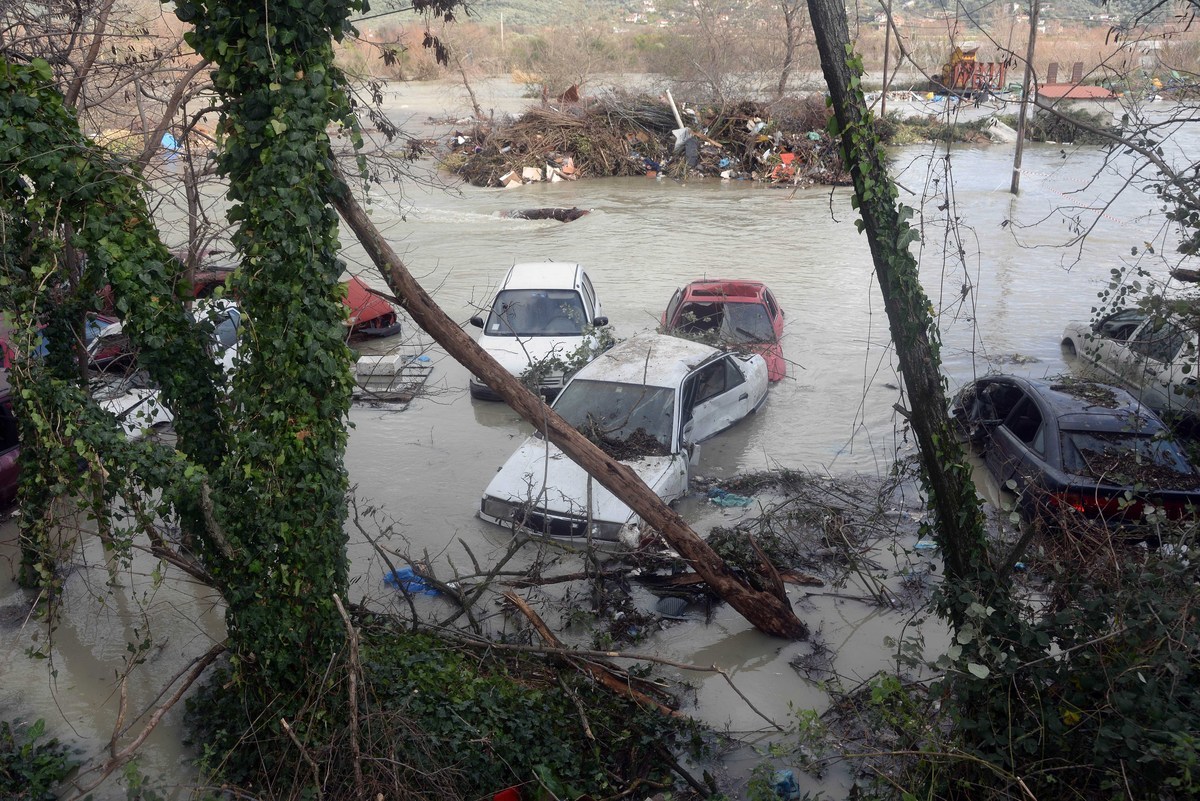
(405, 578)
(725, 498)
(926, 545)
(622, 135)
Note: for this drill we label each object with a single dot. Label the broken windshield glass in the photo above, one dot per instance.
(604, 410)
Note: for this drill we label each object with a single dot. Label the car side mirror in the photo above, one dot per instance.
(477, 321)
(693, 452)
(600, 321)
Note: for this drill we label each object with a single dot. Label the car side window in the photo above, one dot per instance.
(1025, 422)
(733, 375)
(774, 309)
(673, 306)
(710, 381)
(996, 401)
(1158, 340)
(9, 432)
(589, 298)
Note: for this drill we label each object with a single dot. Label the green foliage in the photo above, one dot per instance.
(284, 507)
(438, 718)
(75, 221)
(595, 341)
(29, 770)
(1105, 686)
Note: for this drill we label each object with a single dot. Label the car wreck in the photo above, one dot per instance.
(1156, 357)
(541, 324)
(648, 402)
(731, 314)
(1077, 450)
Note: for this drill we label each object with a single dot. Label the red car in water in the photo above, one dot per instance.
(368, 314)
(740, 315)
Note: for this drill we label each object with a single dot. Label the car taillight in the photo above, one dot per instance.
(1180, 509)
(1091, 504)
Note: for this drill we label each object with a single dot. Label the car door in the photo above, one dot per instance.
(1017, 451)
(1108, 348)
(1147, 367)
(715, 397)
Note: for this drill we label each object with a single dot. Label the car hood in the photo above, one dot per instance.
(539, 465)
(516, 354)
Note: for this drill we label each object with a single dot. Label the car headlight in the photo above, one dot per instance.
(606, 531)
(494, 507)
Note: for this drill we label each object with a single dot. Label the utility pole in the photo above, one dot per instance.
(887, 48)
(1028, 85)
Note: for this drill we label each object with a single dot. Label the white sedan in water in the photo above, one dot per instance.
(648, 402)
(1156, 357)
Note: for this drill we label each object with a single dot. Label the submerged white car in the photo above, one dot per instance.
(543, 316)
(648, 402)
(139, 409)
(1153, 356)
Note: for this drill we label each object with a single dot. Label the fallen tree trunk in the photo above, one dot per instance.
(767, 610)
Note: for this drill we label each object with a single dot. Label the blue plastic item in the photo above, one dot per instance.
(726, 498)
(784, 783)
(405, 579)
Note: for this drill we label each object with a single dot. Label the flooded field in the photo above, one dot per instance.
(1002, 305)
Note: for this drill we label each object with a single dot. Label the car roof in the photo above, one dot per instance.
(733, 291)
(656, 360)
(542, 275)
(1091, 406)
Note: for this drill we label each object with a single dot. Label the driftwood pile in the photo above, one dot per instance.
(623, 135)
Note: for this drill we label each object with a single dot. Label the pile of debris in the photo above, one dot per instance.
(624, 135)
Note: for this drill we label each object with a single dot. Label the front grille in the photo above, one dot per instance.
(553, 526)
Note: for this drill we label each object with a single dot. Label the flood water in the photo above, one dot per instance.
(1002, 306)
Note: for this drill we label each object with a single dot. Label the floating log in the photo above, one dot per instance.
(562, 215)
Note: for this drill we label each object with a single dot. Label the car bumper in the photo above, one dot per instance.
(545, 523)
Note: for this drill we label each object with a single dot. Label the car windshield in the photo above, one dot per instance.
(612, 413)
(730, 322)
(748, 322)
(1125, 458)
(536, 313)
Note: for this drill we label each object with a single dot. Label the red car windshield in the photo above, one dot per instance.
(731, 322)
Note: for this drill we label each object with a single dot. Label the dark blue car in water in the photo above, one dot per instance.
(1075, 450)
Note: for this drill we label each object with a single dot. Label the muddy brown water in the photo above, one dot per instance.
(424, 467)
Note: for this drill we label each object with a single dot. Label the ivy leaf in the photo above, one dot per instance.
(978, 671)
(279, 126)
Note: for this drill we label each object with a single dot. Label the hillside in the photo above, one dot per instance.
(553, 13)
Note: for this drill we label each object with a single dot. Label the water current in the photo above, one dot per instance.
(995, 266)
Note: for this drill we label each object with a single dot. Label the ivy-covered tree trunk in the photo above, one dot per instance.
(947, 477)
(282, 501)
